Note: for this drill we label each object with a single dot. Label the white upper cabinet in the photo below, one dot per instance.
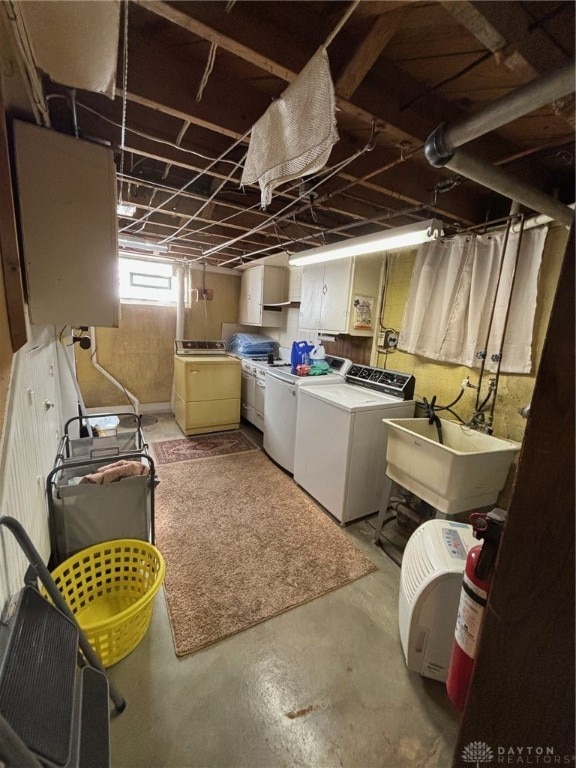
(262, 287)
(341, 296)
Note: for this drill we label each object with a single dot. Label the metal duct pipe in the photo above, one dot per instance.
(441, 148)
(537, 221)
(516, 104)
(495, 178)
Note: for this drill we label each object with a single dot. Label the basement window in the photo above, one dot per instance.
(146, 281)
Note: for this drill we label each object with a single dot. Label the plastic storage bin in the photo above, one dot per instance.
(110, 589)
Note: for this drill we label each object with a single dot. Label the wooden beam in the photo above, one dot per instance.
(220, 207)
(506, 29)
(407, 189)
(222, 41)
(152, 89)
(253, 57)
(380, 34)
(522, 691)
(137, 146)
(186, 117)
(9, 250)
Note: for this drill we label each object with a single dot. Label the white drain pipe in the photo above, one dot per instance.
(94, 360)
(180, 318)
(68, 357)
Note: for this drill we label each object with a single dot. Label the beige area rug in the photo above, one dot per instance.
(201, 446)
(243, 543)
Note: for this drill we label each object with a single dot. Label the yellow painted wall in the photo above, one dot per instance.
(139, 353)
(204, 318)
(442, 379)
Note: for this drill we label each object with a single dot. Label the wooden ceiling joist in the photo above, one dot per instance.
(253, 57)
(381, 32)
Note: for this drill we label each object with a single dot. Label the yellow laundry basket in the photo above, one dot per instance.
(110, 588)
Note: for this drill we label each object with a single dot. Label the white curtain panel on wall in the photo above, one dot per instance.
(454, 285)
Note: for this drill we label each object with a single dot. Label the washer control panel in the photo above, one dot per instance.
(382, 380)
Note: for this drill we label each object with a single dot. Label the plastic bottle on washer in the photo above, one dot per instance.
(318, 354)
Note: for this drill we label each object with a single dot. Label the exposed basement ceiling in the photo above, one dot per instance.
(198, 75)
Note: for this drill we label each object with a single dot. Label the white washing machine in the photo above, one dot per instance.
(282, 398)
(340, 455)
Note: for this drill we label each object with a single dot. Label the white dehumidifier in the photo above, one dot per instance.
(430, 583)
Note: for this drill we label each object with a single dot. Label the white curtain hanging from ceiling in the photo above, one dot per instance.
(295, 136)
(453, 288)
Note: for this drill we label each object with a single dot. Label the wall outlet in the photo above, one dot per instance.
(202, 294)
(390, 339)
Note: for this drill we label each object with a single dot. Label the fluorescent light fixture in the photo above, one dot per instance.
(140, 243)
(389, 240)
(124, 209)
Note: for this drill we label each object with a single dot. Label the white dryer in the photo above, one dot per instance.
(340, 455)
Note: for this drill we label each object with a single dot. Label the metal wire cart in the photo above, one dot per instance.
(100, 488)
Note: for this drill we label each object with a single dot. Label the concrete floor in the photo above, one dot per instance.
(322, 685)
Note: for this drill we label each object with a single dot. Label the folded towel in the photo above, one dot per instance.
(295, 136)
(116, 471)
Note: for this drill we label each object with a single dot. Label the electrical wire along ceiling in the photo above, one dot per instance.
(197, 84)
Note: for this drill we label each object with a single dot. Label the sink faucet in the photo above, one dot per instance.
(480, 423)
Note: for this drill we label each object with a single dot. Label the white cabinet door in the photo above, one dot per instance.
(251, 296)
(336, 295)
(261, 286)
(328, 292)
(311, 296)
(325, 296)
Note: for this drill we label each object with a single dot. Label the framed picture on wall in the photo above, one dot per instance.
(363, 308)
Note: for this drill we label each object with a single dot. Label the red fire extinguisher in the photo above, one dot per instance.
(473, 598)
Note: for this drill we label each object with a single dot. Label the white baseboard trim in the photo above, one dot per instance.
(144, 408)
(155, 407)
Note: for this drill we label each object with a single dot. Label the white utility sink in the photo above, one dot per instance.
(468, 471)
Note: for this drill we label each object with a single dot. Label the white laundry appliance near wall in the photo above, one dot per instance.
(340, 456)
(254, 381)
(283, 390)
